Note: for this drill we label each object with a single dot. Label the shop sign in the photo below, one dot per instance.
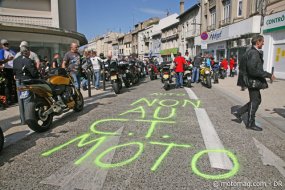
(204, 45)
(169, 51)
(274, 22)
(218, 35)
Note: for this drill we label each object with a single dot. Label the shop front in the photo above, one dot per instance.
(274, 48)
(167, 54)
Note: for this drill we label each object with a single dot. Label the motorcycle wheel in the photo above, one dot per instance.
(208, 81)
(189, 84)
(40, 123)
(151, 76)
(79, 102)
(127, 84)
(116, 88)
(166, 85)
(1, 139)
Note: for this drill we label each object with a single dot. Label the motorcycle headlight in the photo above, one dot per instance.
(207, 72)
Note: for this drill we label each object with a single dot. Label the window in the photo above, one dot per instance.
(239, 6)
(227, 9)
(213, 17)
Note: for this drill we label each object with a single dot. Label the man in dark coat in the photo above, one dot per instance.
(254, 78)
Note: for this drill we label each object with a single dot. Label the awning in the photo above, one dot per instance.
(169, 51)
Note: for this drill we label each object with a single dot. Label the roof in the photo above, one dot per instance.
(189, 10)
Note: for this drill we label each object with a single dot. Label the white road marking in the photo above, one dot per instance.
(269, 158)
(211, 138)
(86, 175)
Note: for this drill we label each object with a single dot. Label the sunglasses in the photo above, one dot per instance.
(6, 44)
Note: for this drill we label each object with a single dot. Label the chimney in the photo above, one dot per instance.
(181, 6)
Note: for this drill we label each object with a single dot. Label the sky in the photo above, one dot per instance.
(96, 17)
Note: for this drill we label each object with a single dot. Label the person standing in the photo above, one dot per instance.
(97, 64)
(56, 61)
(179, 69)
(254, 78)
(33, 56)
(196, 68)
(9, 55)
(30, 72)
(232, 64)
(72, 63)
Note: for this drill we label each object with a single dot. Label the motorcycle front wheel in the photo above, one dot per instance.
(38, 122)
(1, 139)
(208, 81)
(116, 88)
(79, 102)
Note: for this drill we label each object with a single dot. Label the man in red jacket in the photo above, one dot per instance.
(179, 69)
(232, 63)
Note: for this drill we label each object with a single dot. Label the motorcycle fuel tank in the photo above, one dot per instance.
(59, 80)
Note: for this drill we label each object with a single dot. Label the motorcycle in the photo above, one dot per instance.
(166, 76)
(116, 81)
(152, 71)
(216, 69)
(1, 139)
(205, 76)
(125, 72)
(44, 99)
(222, 73)
(134, 72)
(187, 77)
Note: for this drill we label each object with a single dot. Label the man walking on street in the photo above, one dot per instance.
(196, 68)
(253, 76)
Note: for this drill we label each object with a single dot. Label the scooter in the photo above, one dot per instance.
(166, 78)
(187, 77)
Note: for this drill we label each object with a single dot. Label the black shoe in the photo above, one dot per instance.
(181, 86)
(238, 116)
(252, 126)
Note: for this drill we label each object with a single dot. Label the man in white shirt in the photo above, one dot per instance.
(96, 63)
(33, 55)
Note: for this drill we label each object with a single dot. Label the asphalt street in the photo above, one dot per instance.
(149, 138)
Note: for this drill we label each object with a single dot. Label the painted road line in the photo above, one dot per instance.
(269, 158)
(86, 175)
(211, 138)
(191, 94)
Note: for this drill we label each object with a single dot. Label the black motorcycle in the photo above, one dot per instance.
(125, 73)
(187, 77)
(1, 139)
(134, 72)
(115, 78)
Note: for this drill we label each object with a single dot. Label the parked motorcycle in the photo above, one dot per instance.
(116, 81)
(1, 139)
(134, 72)
(205, 76)
(166, 76)
(152, 71)
(45, 99)
(187, 77)
(216, 69)
(125, 72)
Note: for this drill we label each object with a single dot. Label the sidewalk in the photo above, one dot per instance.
(10, 119)
(272, 107)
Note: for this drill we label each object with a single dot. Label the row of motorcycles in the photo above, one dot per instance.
(207, 73)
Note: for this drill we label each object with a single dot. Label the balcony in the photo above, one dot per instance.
(212, 3)
(168, 38)
(192, 33)
(211, 27)
(225, 22)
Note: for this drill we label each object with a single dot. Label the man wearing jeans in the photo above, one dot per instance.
(196, 68)
(96, 63)
(179, 69)
(72, 62)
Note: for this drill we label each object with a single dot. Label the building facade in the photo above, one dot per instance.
(273, 30)
(48, 25)
(189, 28)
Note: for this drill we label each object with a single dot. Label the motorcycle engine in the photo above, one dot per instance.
(67, 95)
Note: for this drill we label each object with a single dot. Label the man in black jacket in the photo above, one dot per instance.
(253, 77)
(24, 68)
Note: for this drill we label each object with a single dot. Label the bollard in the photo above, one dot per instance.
(272, 72)
(104, 82)
(89, 83)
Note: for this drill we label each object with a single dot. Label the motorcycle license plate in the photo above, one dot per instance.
(189, 78)
(24, 94)
(165, 76)
(114, 77)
